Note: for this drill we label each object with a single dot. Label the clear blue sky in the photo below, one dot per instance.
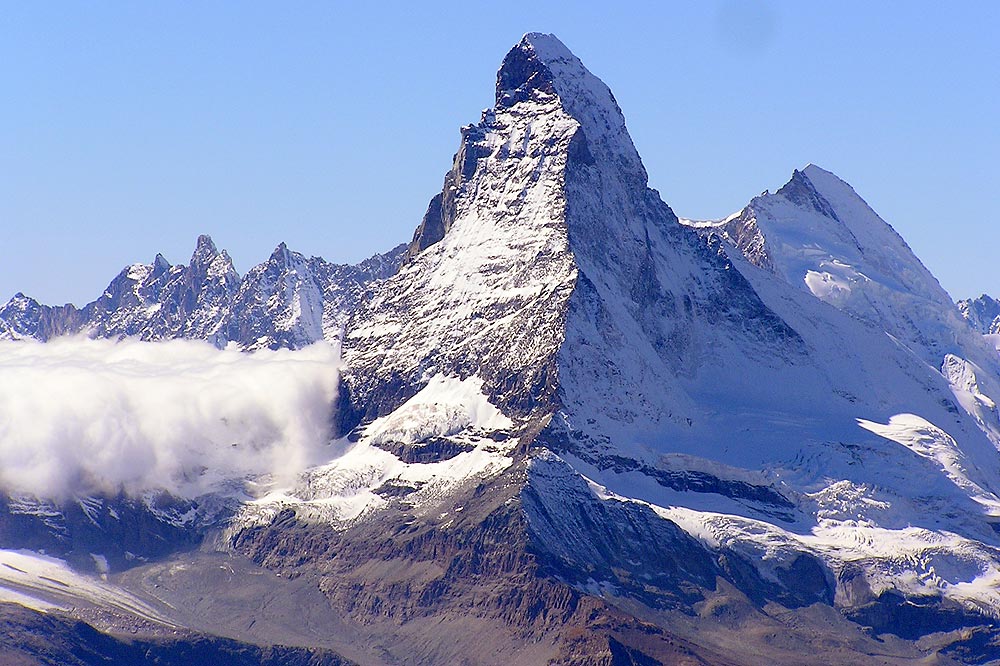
(130, 128)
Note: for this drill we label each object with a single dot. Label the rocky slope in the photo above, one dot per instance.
(31, 638)
(289, 301)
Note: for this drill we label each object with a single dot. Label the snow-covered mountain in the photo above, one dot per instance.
(575, 429)
(626, 388)
(289, 301)
(817, 234)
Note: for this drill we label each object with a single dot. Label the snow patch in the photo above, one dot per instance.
(444, 407)
(365, 478)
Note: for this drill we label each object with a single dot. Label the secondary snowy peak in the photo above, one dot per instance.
(818, 234)
(22, 317)
(159, 301)
(801, 191)
(279, 305)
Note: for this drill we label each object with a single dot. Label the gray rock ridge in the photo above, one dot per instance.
(289, 301)
(982, 313)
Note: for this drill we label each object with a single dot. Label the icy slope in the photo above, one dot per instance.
(46, 583)
(817, 233)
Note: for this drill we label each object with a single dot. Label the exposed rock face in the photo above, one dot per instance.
(489, 566)
(287, 302)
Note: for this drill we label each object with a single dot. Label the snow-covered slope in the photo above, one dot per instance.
(817, 234)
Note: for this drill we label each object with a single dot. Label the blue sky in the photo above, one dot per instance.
(130, 128)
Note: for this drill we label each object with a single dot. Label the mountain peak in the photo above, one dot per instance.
(523, 72)
(205, 242)
(160, 265)
(204, 251)
(546, 45)
(801, 191)
(542, 63)
(533, 64)
(280, 253)
(814, 170)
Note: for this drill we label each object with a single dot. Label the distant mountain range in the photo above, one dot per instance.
(289, 301)
(571, 428)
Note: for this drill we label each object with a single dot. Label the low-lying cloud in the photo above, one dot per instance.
(80, 416)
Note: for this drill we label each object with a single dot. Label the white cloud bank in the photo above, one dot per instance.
(80, 415)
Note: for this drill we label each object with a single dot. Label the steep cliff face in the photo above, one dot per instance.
(546, 228)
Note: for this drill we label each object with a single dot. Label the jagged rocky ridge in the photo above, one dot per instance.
(579, 431)
(982, 313)
(289, 301)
